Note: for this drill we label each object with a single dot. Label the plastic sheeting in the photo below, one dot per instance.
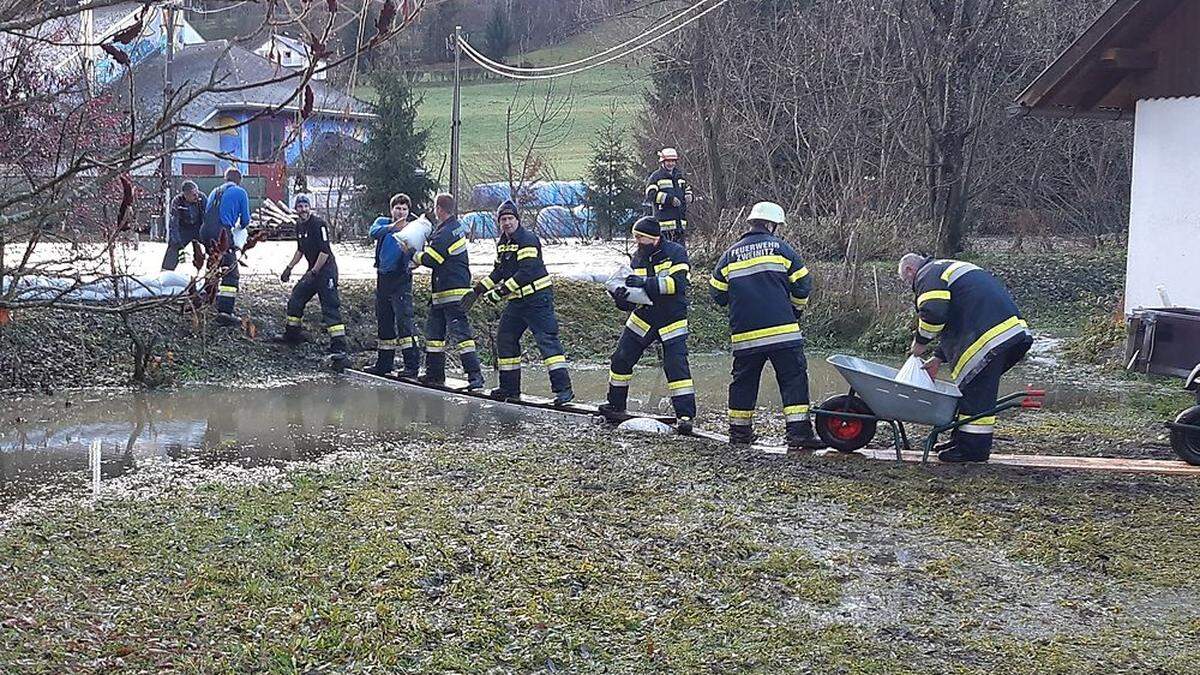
(164, 283)
(482, 224)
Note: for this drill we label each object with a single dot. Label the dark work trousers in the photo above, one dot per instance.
(791, 373)
(675, 364)
(227, 288)
(394, 314)
(323, 284)
(979, 395)
(448, 325)
(535, 314)
(678, 234)
(178, 244)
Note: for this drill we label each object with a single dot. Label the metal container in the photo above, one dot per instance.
(1163, 341)
(876, 384)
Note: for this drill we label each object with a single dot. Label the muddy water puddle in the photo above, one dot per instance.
(46, 442)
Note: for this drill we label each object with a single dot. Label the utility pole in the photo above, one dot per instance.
(456, 118)
(168, 138)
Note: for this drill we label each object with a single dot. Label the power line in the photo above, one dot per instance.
(563, 66)
(518, 73)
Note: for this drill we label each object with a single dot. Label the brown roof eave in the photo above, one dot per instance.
(1017, 110)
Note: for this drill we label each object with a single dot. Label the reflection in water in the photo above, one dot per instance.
(217, 426)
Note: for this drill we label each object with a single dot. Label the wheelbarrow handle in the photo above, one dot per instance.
(1035, 392)
(1031, 403)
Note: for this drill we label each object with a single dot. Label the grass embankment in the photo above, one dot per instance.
(484, 106)
(59, 348)
(578, 550)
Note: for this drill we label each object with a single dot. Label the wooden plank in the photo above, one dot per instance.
(458, 387)
(1061, 462)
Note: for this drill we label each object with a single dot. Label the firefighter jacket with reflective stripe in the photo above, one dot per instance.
(446, 254)
(661, 186)
(519, 271)
(764, 283)
(312, 238)
(970, 312)
(665, 267)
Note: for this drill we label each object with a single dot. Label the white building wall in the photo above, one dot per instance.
(1164, 218)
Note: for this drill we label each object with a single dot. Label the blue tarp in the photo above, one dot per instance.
(539, 195)
(558, 221)
(482, 224)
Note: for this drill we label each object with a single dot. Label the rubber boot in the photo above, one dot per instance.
(292, 335)
(475, 381)
(412, 362)
(800, 436)
(958, 455)
(385, 361)
(609, 409)
(502, 394)
(563, 397)
(510, 386)
(560, 384)
(474, 370)
(683, 426)
(226, 319)
(741, 434)
(435, 368)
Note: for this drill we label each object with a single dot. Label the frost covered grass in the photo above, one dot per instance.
(590, 551)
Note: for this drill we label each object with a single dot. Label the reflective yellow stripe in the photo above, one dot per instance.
(508, 361)
(633, 319)
(617, 377)
(679, 384)
(949, 271)
(795, 409)
(718, 284)
(337, 329)
(451, 293)
(458, 245)
(800, 302)
(293, 321)
(487, 283)
(985, 421)
(1011, 322)
(741, 414)
(932, 295)
(671, 327)
(680, 267)
(930, 327)
(665, 183)
(555, 359)
(227, 289)
(528, 252)
(664, 265)
(757, 260)
(429, 251)
(530, 289)
(506, 248)
(798, 275)
(467, 344)
(668, 286)
(765, 332)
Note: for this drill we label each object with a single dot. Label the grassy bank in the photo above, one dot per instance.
(52, 349)
(581, 551)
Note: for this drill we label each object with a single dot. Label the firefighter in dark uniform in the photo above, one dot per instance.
(393, 293)
(187, 216)
(980, 334)
(765, 285)
(661, 268)
(668, 194)
(520, 277)
(446, 254)
(312, 244)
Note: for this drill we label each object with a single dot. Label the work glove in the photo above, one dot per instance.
(492, 296)
(467, 301)
(287, 274)
(620, 297)
(635, 281)
(675, 202)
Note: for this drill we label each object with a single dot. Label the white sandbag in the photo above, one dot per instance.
(415, 234)
(645, 425)
(240, 235)
(913, 373)
(617, 280)
(172, 279)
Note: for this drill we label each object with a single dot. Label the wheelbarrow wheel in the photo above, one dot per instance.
(845, 434)
(1186, 442)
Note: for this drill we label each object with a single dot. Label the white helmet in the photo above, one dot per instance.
(768, 211)
(668, 154)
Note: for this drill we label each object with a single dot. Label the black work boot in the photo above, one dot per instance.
(683, 425)
(435, 368)
(475, 381)
(958, 455)
(292, 335)
(412, 362)
(611, 409)
(741, 434)
(226, 319)
(502, 394)
(563, 397)
(800, 436)
(385, 361)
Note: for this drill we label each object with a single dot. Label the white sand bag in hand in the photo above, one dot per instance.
(617, 280)
(913, 373)
(415, 234)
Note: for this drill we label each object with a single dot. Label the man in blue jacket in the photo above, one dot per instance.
(661, 268)
(228, 213)
(980, 334)
(668, 195)
(520, 278)
(446, 254)
(765, 285)
(393, 292)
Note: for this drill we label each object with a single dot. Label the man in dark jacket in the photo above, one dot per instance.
(765, 285)
(187, 216)
(668, 194)
(393, 292)
(660, 268)
(446, 254)
(520, 278)
(312, 244)
(980, 334)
